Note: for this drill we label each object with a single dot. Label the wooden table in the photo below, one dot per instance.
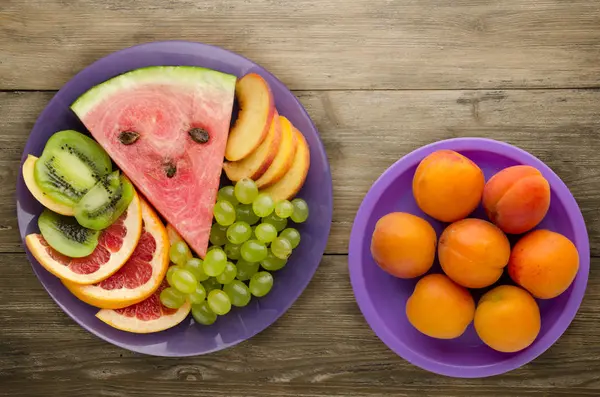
(379, 78)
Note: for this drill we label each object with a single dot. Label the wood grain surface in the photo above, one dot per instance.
(380, 78)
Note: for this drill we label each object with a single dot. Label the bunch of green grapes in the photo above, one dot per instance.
(249, 240)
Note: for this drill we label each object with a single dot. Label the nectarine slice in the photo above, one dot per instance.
(284, 158)
(257, 108)
(257, 163)
(292, 181)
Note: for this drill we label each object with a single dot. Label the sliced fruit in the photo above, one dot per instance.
(66, 236)
(105, 202)
(257, 109)
(69, 166)
(173, 235)
(284, 158)
(257, 163)
(139, 277)
(166, 128)
(115, 246)
(34, 189)
(292, 181)
(147, 316)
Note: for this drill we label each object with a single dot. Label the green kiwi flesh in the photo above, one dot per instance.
(70, 165)
(104, 203)
(66, 235)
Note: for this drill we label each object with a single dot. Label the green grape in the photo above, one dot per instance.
(238, 293)
(292, 235)
(195, 266)
(263, 205)
(228, 274)
(184, 281)
(170, 274)
(239, 232)
(245, 190)
(245, 269)
(300, 210)
(281, 248)
(179, 253)
(244, 213)
(265, 232)
(261, 283)
(233, 251)
(218, 234)
(224, 213)
(203, 314)
(226, 193)
(211, 284)
(276, 221)
(254, 251)
(198, 295)
(219, 302)
(272, 263)
(212, 247)
(214, 262)
(172, 298)
(284, 209)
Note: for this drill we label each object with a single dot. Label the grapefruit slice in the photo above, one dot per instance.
(115, 245)
(146, 316)
(139, 277)
(166, 127)
(28, 170)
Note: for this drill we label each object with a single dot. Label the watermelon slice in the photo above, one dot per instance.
(166, 127)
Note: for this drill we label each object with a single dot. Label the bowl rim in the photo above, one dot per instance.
(319, 150)
(358, 234)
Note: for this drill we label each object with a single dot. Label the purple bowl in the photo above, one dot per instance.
(187, 338)
(382, 298)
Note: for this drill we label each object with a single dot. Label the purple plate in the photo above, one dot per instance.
(382, 298)
(188, 339)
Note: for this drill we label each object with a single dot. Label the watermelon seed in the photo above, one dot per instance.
(199, 135)
(170, 169)
(128, 137)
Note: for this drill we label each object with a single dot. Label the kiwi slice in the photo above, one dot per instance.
(104, 203)
(66, 235)
(70, 165)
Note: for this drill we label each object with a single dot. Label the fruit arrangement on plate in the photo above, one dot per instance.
(140, 220)
(474, 253)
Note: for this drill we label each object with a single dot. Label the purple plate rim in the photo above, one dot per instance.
(320, 149)
(355, 253)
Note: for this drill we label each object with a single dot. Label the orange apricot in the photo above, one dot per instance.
(507, 319)
(473, 252)
(545, 263)
(447, 186)
(517, 198)
(440, 308)
(403, 244)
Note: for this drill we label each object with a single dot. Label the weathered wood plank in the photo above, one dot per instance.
(360, 44)
(321, 347)
(366, 132)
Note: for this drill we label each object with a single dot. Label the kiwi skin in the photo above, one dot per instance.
(103, 204)
(69, 166)
(66, 235)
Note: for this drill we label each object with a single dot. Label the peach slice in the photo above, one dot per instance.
(257, 163)
(257, 109)
(284, 158)
(292, 181)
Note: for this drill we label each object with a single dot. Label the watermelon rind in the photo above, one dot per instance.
(188, 76)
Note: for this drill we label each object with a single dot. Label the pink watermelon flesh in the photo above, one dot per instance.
(176, 173)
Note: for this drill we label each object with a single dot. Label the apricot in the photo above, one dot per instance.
(473, 252)
(545, 263)
(447, 186)
(517, 198)
(440, 308)
(403, 245)
(507, 319)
